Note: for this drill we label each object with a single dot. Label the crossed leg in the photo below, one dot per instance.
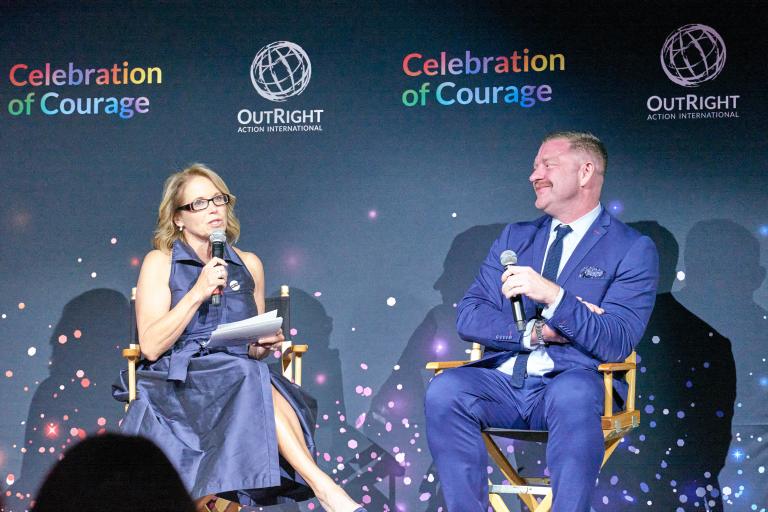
(290, 443)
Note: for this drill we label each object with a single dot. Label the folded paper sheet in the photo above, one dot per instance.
(244, 331)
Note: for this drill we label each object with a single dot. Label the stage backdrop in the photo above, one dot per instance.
(376, 151)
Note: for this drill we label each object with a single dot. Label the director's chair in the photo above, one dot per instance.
(615, 426)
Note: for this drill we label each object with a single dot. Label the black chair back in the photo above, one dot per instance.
(282, 303)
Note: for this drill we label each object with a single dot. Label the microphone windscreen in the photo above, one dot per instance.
(218, 236)
(508, 257)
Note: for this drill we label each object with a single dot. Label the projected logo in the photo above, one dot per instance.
(690, 56)
(281, 70)
(693, 54)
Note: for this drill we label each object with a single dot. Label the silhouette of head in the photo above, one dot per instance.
(100, 319)
(116, 473)
(311, 320)
(722, 255)
(669, 251)
(467, 252)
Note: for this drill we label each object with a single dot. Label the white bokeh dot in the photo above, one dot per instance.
(680, 275)
(31, 351)
(93, 275)
(391, 301)
(454, 215)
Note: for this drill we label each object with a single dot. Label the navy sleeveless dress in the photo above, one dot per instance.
(211, 411)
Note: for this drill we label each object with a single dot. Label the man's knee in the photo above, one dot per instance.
(576, 391)
(444, 392)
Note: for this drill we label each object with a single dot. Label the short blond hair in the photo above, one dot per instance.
(166, 231)
(584, 141)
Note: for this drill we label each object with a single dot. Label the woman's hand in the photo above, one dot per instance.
(266, 345)
(213, 275)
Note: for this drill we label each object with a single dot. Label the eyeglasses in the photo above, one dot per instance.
(201, 204)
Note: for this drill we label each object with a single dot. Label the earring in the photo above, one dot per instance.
(181, 228)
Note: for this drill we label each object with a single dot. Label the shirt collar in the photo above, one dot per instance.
(183, 252)
(580, 225)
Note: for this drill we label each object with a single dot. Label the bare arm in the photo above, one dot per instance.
(266, 344)
(256, 268)
(159, 326)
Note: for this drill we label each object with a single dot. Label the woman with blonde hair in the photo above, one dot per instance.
(230, 426)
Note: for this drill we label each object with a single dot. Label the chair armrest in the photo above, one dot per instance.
(295, 349)
(439, 366)
(616, 367)
(133, 352)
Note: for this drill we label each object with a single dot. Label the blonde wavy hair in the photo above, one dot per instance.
(166, 231)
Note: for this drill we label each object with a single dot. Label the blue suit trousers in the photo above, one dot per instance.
(462, 401)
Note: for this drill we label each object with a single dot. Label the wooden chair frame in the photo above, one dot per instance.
(615, 426)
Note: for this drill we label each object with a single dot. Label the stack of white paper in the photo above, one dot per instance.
(244, 331)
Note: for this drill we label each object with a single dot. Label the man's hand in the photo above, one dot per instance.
(526, 281)
(593, 308)
(551, 337)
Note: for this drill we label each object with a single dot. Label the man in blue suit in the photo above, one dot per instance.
(588, 284)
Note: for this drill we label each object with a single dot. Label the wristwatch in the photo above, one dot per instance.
(539, 326)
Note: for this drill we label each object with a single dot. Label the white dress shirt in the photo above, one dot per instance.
(539, 362)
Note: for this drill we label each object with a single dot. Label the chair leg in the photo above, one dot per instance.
(497, 503)
(508, 471)
(232, 507)
(546, 503)
(610, 447)
(222, 505)
(205, 503)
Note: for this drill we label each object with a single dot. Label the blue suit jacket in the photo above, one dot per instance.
(613, 266)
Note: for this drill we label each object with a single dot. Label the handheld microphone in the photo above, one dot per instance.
(508, 258)
(217, 238)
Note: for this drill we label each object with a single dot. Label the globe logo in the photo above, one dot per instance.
(280, 70)
(693, 54)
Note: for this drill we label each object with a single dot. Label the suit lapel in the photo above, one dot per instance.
(540, 244)
(592, 236)
(539, 247)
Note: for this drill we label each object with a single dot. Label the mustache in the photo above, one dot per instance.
(541, 184)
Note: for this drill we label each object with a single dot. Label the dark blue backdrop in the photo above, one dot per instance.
(387, 202)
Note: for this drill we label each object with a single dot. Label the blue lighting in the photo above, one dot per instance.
(616, 207)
